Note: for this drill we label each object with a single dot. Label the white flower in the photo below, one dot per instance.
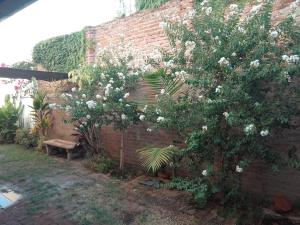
(255, 9)
(233, 7)
(91, 104)
(285, 58)
(160, 119)
(103, 76)
(169, 64)
(83, 95)
(73, 89)
(142, 117)
(238, 169)
(121, 76)
(81, 126)
(162, 91)
(52, 105)
(294, 58)
(126, 95)
(226, 114)
(190, 45)
(98, 96)
(204, 2)
(254, 64)
(223, 62)
(104, 98)
(191, 13)
(233, 54)
(145, 108)
(149, 130)
(218, 89)
(294, 5)
(68, 108)
(208, 11)
(88, 117)
(287, 76)
(123, 117)
(96, 124)
(205, 173)
(264, 133)
(250, 129)
(241, 30)
(163, 25)
(204, 128)
(274, 34)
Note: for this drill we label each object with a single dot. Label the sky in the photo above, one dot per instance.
(48, 18)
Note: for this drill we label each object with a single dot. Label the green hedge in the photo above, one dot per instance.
(62, 53)
(149, 4)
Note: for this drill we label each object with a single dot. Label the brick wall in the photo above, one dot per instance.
(143, 32)
(141, 29)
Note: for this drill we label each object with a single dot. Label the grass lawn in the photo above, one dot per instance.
(56, 191)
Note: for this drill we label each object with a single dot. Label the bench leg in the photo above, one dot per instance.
(69, 156)
(48, 148)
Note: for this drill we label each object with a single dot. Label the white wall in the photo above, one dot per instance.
(6, 89)
(26, 114)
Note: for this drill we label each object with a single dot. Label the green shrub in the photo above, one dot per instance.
(100, 164)
(240, 91)
(26, 137)
(9, 115)
(200, 189)
(101, 96)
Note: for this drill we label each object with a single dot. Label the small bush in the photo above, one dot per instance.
(26, 137)
(100, 164)
(201, 190)
(9, 115)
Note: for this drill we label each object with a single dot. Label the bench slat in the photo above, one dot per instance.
(61, 143)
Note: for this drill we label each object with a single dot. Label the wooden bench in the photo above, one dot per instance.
(70, 147)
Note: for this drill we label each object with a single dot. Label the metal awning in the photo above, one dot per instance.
(9, 7)
(28, 74)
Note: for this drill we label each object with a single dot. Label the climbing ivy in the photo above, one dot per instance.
(62, 53)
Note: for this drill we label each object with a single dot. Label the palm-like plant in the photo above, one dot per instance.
(155, 158)
(40, 114)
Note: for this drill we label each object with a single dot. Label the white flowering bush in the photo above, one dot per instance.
(239, 90)
(101, 96)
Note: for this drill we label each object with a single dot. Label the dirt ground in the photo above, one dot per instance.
(58, 192)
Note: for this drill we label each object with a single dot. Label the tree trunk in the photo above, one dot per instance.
(122, 152)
